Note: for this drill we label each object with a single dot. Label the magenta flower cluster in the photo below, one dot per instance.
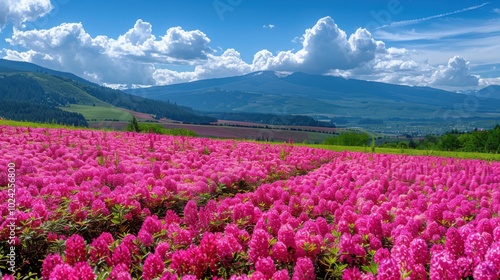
(249, 211)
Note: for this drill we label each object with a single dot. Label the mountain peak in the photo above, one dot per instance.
(279, 74)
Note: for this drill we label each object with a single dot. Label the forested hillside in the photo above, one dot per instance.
(23, 99)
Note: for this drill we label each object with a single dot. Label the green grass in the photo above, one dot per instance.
(37, 125)
(99, 113)
(378, 150)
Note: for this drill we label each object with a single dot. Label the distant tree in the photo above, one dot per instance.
(448, 142)
(412, 144)
(348, 139)
(133, 125)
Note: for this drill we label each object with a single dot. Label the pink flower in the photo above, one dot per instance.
(419, 251)
(75, 249)
(63, 272)
(401, 254)
(145, 237)
(465, 266)
(443, 266)
(191, 214)
(475, 248)
(122, 255)
(307, 243)
(493, 255)
(257, 275)
(152, 224)
(281, 275)
(381, 255)
(99, 248)
(208, 247)
(8, 277)
(287, 235)
(280, 252)
(259, 245)
(153, 267)
(189, 261)
(351, 273)
(48, 265)
(227, 246)
(168, 276)
(239, 277)
(375, 224)
(84, 271)
(120, 272)
(163, 250)
(389, 270)
(486, 271)
(304, 270)
(266, 267)
(454, 242)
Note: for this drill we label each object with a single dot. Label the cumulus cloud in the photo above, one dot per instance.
(455, 74)
(227, 64)
(18, 12)
(176, 46)
(129, 58)
(324, 47)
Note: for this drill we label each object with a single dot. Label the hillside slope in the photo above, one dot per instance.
(29, 84)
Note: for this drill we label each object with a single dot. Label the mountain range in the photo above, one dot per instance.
(325, 97)
(258, 96)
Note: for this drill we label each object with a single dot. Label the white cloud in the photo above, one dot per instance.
(128, 59)
(176, 46)
(496, 10)
(455, 74)
(269, 26)
(419, 20)
(18, 12)
(324, 47)
(227, 64)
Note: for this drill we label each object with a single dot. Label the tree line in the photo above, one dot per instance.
(482, 141)
(271, 119)
(23, 99)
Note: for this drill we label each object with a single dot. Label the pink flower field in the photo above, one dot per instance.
(113, 205)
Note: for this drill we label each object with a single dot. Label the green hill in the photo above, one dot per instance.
(37, 94)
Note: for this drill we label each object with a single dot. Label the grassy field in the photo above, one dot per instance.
(413, 152)
(99, 113)
(37, 125)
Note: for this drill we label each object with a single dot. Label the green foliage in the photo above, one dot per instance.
(448, 142)
(133, 125)
(158, 129)
(486, 141)
(348, 139)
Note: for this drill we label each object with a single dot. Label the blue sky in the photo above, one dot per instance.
(140, 43)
